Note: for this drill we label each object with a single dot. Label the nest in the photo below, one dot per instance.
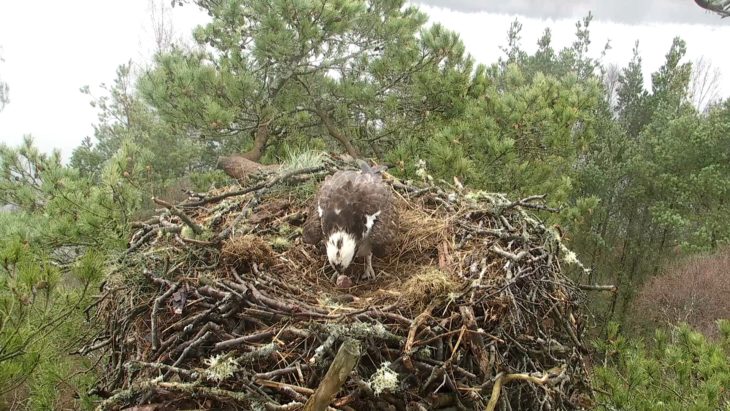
(218, 304)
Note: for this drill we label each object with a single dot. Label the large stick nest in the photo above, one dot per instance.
(218, 304)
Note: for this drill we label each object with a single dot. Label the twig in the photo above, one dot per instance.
(506, 254)
(277, 384)
(476, 343)
(164, 367)
(527, 203)
(190, 388)
(153, 316)
(177, 212)
(243, 214)
(283, 177)
(408, 347)
(133, 247)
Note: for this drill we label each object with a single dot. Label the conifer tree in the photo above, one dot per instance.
(56, 244)
(361, 73)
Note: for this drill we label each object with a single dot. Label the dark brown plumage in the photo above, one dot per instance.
(353, 214)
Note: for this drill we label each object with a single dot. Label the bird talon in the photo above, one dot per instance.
(369, 271)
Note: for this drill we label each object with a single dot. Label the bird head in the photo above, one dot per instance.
(341, 247)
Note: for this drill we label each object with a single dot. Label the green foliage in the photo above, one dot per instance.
(659, 169)
(297, 160)
(679, 370)
(362, 73)
(165, 152)
(55, 249)
(74, 210)
(639, 174)
(41, 308)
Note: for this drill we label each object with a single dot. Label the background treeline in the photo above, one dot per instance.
(641, 175)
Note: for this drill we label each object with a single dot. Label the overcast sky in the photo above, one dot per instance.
(620, 11)
(53, 48)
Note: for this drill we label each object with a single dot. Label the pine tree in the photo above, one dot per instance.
(55, 249)
(361, 73)
(169, 152)
(679, 370)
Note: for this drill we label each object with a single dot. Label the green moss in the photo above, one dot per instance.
(280, 243)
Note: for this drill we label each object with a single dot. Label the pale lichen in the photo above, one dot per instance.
(421, 171)
(384, 380)
(425, 353)
(220, 367)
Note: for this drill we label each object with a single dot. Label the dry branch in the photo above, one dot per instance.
(338, 372)
(504, 379)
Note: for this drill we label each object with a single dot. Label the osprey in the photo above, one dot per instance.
(353, 213)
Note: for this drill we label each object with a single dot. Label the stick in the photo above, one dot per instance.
(338, 372)
(277, 384)
(506, 254)
(476, 344)
(309, 170)
(163, 367)
(177, 212)
(598, 287)
(188, 388)
(505, 378)
(408, 348)
(153, 317)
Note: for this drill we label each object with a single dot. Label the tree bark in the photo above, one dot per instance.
(240, 167)
(260, 138)
(335, 132)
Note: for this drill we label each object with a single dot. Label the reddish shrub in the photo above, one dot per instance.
(695, 290)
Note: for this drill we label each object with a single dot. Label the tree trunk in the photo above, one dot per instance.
(603, 227)
(660, 254)
(619, 281)
(335, 132)
(260, 138)
(240, 167)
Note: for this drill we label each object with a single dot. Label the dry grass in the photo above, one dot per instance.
(426, 287)
(241, 252)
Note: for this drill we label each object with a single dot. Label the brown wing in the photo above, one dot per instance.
(345, 199)
(376, 196)
(312, 228)
(385, 230)
(371, 194)
(332, 194)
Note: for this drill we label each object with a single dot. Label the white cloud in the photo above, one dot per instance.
(53, 48)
